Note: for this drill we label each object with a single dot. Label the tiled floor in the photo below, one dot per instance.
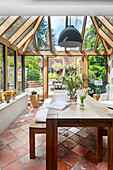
(76, 147)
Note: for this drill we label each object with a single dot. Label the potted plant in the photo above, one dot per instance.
(33, 77)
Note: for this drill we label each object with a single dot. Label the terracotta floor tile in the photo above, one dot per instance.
(9, 139)
(84, 165)
(80, 150)
(87, 143)
(103, 165)
(16, 130)
(26, 161)
(61, 138)
(7, 159)
(76, 138)
(15, 166)
(74, 130)
(71, 158)
(69, 143)
(60, 130)
(24, 139)
(28, 120)
(62, 165)
(67, 134)
(14, 145)
(25, 127)
(3, 151)
(40, 137)
(6, 133)
(37, 166)
(21, 124)
(85, 132)
(20, 135)
(1, 143)
(20, 151)
(62, 150)
(12, 126)
(43, 159)
(91, 157)
(40, 151)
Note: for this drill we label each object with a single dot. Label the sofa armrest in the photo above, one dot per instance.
(103, 97)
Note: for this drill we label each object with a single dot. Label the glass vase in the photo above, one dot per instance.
(82, 103)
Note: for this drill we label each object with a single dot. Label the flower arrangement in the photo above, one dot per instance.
(82, 93)
(90, 91)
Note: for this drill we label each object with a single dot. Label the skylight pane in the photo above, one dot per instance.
(58, 23)
(42, 36)
(110, 19)
(90, 36)
(100, 46)
(15, 27)
(3, 19)
(31, 46)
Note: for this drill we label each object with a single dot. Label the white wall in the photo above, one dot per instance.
(111, 69)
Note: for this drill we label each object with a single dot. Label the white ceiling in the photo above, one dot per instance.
(56, 7)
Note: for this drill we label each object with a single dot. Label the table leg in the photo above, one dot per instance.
(110, 147)
(51, 144)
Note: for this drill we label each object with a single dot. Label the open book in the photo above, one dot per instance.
(59, 105)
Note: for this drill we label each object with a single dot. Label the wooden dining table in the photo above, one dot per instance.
(94, 114)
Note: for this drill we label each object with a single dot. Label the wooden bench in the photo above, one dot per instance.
(37, 128)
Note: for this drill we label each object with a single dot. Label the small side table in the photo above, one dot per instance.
(34, 101)
(96, 96)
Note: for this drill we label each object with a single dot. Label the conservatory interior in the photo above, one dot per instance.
(36, 72)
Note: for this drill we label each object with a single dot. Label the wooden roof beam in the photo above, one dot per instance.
(49, 26)
(96, 44)
(22, 29)
(102, 35)
(31, 33)
(7, 24)
(106, 23)
(27, 44)
(83, 31)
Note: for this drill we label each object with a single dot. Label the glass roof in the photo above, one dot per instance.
(15, 26)
(100, 46)
(90, 36)
(42, 36)
(31, 46)
(110, 19)
(2, 19)
(101, 26)
(58, 23)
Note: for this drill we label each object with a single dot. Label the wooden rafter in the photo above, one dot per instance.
(31, 33)
(96, 44)
(102, 35)
(7, 24)
(26, 44)
(34, 43)
(83, 30)
(49, 26)
(66, 26)
(23, 28)
(106, 23)
(7, 43)
(67, 54)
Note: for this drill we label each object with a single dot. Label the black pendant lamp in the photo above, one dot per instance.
(70, 37)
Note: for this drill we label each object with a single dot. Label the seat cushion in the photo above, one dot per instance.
(41, 116)
(110, 95)
(107, 103)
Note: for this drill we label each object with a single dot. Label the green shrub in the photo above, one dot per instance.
(33, 75)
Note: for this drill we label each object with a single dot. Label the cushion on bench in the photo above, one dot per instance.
(41, 116)
(48, 100)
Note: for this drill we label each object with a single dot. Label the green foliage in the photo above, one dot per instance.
(33, 75)
(57, 66)
(29, 63)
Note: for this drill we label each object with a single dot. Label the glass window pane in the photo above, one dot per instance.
(34, 76)
(31, 46)
(1, 67)
(3, 19)
(100, 46)
(15, 27)
(101, 26)
(110, 19)
(10, 68)
(19, 63)
(77, 22)
(90, 36)
(42, 36)
(58, 23)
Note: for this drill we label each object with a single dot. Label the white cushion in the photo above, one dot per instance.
(107, 103)
(48, 100)
(110, 95)
(104, 97)
(44, 106)
(41, 116)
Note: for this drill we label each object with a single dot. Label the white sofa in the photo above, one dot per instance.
(107, 98)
